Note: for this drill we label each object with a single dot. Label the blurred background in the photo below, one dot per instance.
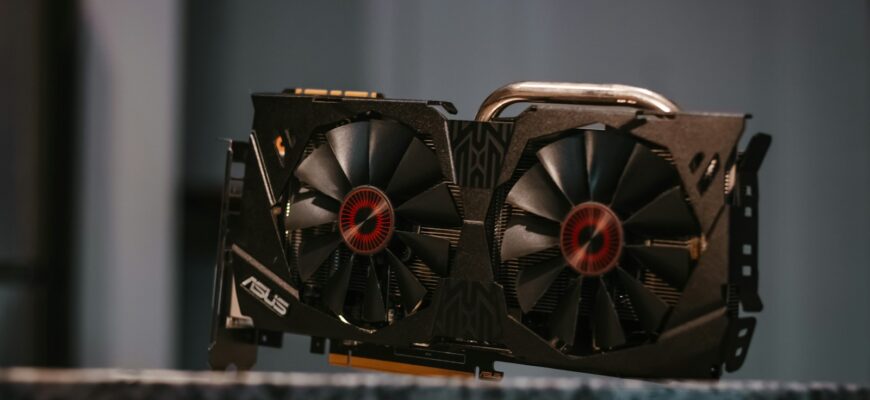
(112, 111)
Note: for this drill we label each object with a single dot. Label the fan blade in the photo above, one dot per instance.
(528, 234)
(411, 289)
(321, 171)
(434, 207)
(315, 251)
(606, 154)
(536, 193)
(418, 170)
(310, 209)
(434, 252)
(649, 307)
(605, 321)
(350, 143)
(672, 264)
(387, 143)
(669, 215)
(533, 281)
(374, 309)
(336, 287)
(563, 320)
(565, 160)
(645, 176)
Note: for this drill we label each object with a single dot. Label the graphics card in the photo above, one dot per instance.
(599, 230)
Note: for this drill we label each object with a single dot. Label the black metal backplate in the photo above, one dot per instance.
(468, 314)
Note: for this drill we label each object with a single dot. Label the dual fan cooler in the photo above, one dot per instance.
(599, 230)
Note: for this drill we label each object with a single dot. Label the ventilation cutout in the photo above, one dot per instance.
(696, 161)
(709, 173)
(237, 170)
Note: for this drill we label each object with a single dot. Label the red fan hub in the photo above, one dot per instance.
(366, 220)
(591, 239)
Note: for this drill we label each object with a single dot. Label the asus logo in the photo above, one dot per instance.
(262, 292)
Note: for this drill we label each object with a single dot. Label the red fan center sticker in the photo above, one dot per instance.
(591, 239)
(366, 220)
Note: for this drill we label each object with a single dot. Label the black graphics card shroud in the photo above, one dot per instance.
(601, 239)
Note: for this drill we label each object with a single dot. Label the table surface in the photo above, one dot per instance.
(30, 383)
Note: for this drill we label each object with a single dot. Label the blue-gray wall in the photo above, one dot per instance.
(129, 128)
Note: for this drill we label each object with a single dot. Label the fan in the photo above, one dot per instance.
(374, 182)
(613, 208)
